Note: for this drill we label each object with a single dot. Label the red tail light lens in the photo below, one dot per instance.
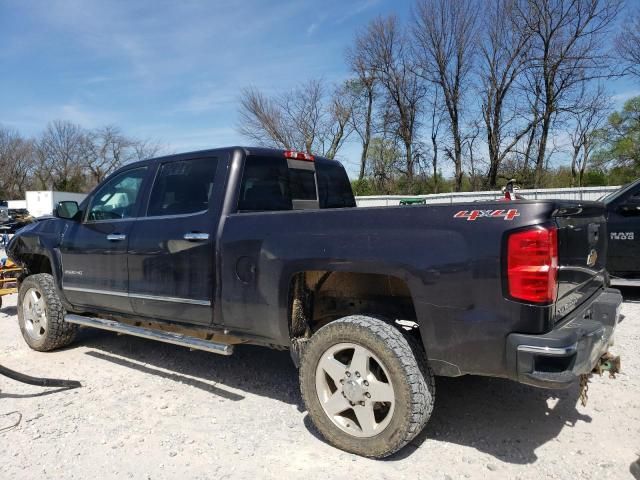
(298, 156)
(532, 264)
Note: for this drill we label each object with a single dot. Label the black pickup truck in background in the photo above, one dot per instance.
(220, 248)
(623, 224)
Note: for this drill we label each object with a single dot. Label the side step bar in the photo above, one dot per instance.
(166, 337)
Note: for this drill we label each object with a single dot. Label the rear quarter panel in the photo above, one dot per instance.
(452, 267)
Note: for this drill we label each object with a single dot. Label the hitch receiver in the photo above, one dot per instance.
(608, 363)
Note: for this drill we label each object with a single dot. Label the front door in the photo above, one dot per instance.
(94, 251)
(172, 246)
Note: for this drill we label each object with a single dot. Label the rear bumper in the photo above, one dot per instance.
(556, 359)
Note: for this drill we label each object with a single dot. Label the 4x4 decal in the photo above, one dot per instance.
(471, 215)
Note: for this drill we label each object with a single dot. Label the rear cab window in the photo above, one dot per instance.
(271, 183)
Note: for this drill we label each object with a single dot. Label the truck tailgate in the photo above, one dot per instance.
(582, 242)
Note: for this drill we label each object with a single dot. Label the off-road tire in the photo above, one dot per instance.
(58, 333)
(412, 379)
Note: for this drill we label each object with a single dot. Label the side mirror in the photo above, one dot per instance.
(67, 209)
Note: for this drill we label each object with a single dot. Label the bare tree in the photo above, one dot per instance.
(336, 125)
(16, 163)
(445, 40)
(628, 44)
(568, 50)
(589, 116)
(300, 119)
(60, 156)
(504, 59)
(261, 120)
(386, 48)
(436, 119)
(144, 149)
(105, 150)
(363, 90)
(470, 144)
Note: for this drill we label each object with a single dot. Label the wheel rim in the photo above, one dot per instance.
(34, 312)
(355, 390)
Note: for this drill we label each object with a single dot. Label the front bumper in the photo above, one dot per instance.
(556, 359)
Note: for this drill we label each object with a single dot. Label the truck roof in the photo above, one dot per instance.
(257, 151)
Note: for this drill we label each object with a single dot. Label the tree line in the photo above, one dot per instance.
(490, 89)
(65, 157)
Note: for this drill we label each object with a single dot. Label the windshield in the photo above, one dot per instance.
(616, 193)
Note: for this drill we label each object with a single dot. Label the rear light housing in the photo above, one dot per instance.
(298, 155)
(532, 264)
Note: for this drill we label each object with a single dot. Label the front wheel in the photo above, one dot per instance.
(367, 390)
(41, 315)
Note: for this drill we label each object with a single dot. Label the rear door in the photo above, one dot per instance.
(94, 251)
(582, 241)
(172, 247)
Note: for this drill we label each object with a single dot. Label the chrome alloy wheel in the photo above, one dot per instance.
(355, 390)
(35, 316)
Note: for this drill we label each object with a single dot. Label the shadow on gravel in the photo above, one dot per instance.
(10, 311)
(499, 417)
(257, 370)
(635, 469)
(630, 294)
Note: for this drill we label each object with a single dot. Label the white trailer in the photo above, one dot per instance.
(44, 202)
(17, 204)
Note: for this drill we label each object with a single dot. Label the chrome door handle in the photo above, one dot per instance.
(194, 236)
(116, 237)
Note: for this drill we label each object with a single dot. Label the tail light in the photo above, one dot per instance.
(298, 155)
(532, 264)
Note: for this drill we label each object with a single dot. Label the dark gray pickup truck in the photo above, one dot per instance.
(219, 248)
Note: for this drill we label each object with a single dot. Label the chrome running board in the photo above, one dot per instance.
(160, 336)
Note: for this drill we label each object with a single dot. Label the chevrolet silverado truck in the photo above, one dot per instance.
(623, 224)
(219, 248)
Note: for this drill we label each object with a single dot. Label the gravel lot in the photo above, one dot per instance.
(150, 410)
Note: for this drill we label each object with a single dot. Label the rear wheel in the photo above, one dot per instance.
(41, 315)
(364, 387)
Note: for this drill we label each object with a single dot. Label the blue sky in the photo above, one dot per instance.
(172, 70)
(166, 70)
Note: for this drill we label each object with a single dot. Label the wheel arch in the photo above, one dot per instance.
(319, 297)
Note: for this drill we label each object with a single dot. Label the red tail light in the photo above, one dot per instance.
(532, 264)
(298, 155)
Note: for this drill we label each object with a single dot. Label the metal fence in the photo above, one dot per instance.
(577, 193)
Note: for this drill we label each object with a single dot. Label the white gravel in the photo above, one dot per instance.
(150, 410)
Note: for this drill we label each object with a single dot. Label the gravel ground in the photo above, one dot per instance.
(151, 410)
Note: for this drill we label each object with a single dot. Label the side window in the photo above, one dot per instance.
(265, 185)
(334, 187)
(117, 198)
(183, 187)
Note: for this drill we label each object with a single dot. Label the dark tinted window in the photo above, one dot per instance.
(334, 186)
(182, 187)
(265, 185)
(302, 184)
(117, 198)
